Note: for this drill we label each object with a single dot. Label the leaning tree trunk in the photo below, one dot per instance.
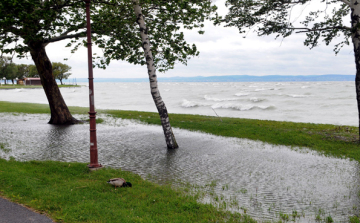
(60, 113)
(160, 105)
(355, 21)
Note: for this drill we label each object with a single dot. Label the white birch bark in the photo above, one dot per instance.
(355, 22)
(160, 105)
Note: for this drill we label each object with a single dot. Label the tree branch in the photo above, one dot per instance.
(105, 2)
(60, 6)
(12, 29)
(305, 30)
(346, 3)
(62, 37)
(82, 25)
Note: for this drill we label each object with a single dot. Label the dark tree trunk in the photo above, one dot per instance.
(355, 21)
(357, 84)
(60, 113)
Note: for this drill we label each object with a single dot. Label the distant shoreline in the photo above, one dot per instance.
(232, 78)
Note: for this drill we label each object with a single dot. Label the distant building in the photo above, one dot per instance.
(30, 81)
(20, 81)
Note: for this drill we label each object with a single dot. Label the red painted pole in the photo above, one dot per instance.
(93, 142)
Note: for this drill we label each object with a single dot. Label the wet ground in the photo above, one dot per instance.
(242, 175)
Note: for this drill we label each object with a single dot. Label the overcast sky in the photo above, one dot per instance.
(223, 51)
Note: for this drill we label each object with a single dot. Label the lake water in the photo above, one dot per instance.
(263, 179)
(315, 102)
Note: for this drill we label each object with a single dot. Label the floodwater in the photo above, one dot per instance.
(262, 179)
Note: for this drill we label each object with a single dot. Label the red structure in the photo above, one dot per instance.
(30, 81)
(93, 142)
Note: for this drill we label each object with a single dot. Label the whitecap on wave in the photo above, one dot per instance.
(255, 99)
(298, 95)
(219, 99)
(242, 107)
(242, 94)
(191, 104)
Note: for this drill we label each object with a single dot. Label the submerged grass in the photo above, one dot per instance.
(69, 192)
(338, 141)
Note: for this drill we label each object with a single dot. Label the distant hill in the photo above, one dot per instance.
(233, 78)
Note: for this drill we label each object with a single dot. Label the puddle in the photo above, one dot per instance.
(259, 178)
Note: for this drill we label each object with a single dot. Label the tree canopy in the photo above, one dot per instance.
(325, 22)
(8, 69)
(33, 72)
(28, 26)
(24, 23)
(61, 71)
(11, 70)
(23, 70)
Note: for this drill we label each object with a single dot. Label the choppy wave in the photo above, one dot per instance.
(219, 99)
(241, 107)
(242, 94)
(255, 99)
(298, 95)
(190, 104)
(235, 106)
(274, 89)
(294, 101)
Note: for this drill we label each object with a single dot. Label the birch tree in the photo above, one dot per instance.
(324, 23)
(160, 38)
(160, 105)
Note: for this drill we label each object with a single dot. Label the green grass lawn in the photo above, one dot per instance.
(70, 193)
(16, 86)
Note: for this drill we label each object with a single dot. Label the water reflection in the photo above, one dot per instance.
(255, 177)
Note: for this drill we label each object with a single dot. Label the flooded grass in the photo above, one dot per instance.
(4, 147)
(339, 141)
(271, 183)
